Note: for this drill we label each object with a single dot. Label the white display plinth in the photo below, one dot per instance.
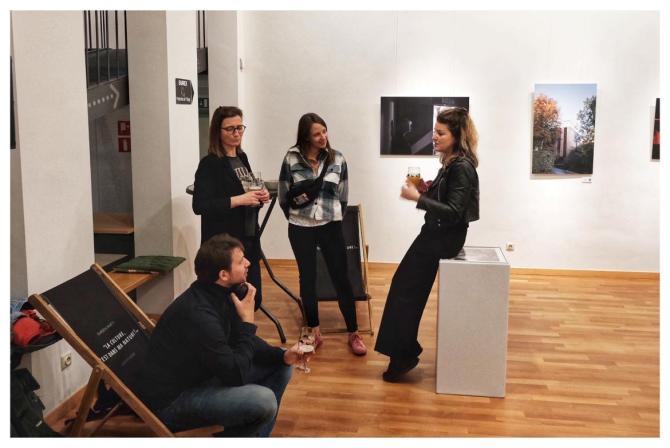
(472, 323)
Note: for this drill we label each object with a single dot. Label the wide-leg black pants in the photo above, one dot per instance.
(410, 288)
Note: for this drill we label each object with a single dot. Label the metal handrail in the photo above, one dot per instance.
(97, 43)
(201, 27)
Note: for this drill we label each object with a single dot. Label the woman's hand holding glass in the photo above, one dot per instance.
(250, 198)
(409, 191)
(265, 198)
(255, 183)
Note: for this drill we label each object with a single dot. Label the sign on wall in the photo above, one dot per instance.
(184, 91)
(123, 131)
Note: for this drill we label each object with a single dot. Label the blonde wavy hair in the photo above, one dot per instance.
(461, 126)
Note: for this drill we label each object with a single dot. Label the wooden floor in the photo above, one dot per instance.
(583, 360)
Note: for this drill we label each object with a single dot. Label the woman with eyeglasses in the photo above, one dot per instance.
(219, 196)
(451, 202)
(315, 217)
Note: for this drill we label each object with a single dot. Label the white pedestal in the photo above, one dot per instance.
(472, 323)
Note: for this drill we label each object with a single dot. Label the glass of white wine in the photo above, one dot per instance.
(306, 346)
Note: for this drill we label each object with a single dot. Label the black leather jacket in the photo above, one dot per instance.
(452, 201)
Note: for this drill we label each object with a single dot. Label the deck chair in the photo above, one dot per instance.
(357, 265)
(111, 333)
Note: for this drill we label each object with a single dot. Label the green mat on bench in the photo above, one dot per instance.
(150, 263)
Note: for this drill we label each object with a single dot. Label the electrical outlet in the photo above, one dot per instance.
(509, 247)
(65, 360)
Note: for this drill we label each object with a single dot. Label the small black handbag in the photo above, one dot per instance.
(303, 193)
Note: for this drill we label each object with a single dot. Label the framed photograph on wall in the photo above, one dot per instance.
(656, 145)
(564, 125)
(407, 123)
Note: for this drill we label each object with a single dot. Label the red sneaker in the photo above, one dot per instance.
(357, 345)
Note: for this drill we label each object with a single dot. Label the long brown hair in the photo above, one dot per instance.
(304, 127)
(220, 114)
(463, 129)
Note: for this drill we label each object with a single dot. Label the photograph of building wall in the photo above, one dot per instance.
(564, 120)
(583, 319)
(407, 123)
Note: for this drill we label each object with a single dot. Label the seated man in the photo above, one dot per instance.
(205, 364)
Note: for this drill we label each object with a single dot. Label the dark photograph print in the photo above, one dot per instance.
(656, 146)
(407, 123)
(564, 126)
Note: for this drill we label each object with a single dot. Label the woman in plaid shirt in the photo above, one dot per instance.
(319, 222)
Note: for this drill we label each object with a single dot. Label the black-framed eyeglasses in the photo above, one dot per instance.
(231, 129)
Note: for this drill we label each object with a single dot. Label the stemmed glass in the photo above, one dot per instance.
(306, 346)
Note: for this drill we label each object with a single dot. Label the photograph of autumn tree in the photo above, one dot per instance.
(564, 123)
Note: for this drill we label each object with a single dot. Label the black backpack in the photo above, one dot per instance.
(26, 407)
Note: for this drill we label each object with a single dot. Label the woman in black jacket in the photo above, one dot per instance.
(218, 194)
(451, 201)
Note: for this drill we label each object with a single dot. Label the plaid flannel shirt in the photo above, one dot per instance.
(331, 202)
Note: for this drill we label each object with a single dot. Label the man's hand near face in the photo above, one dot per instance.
(245, 307)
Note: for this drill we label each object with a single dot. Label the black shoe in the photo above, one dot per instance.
(398, 367)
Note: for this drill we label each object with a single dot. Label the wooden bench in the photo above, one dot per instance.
(113, 233)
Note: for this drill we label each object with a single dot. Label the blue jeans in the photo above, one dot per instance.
(243, 411)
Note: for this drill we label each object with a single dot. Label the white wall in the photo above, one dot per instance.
(111, 170)
(223, 54)
(339, 64)
(184, 143)
(165, 152)
(51, 163)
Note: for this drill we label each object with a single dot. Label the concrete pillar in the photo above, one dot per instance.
(165, 155)
(223, 59)
(51, 205)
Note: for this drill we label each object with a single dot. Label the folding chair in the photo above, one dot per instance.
(111, 333)
(357, 265)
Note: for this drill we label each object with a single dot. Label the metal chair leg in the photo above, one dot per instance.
(275, 321)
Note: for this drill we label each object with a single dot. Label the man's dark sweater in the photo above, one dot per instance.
(199, 337)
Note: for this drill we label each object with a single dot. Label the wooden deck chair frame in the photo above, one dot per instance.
(365, 277)
(101, 372)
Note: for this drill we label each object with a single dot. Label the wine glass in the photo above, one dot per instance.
(306, 345)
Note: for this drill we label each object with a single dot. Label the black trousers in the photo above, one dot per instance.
(410, 289)
(252, 252)
(331, 241)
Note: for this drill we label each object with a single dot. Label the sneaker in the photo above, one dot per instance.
(357, 345)
(398, 367)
